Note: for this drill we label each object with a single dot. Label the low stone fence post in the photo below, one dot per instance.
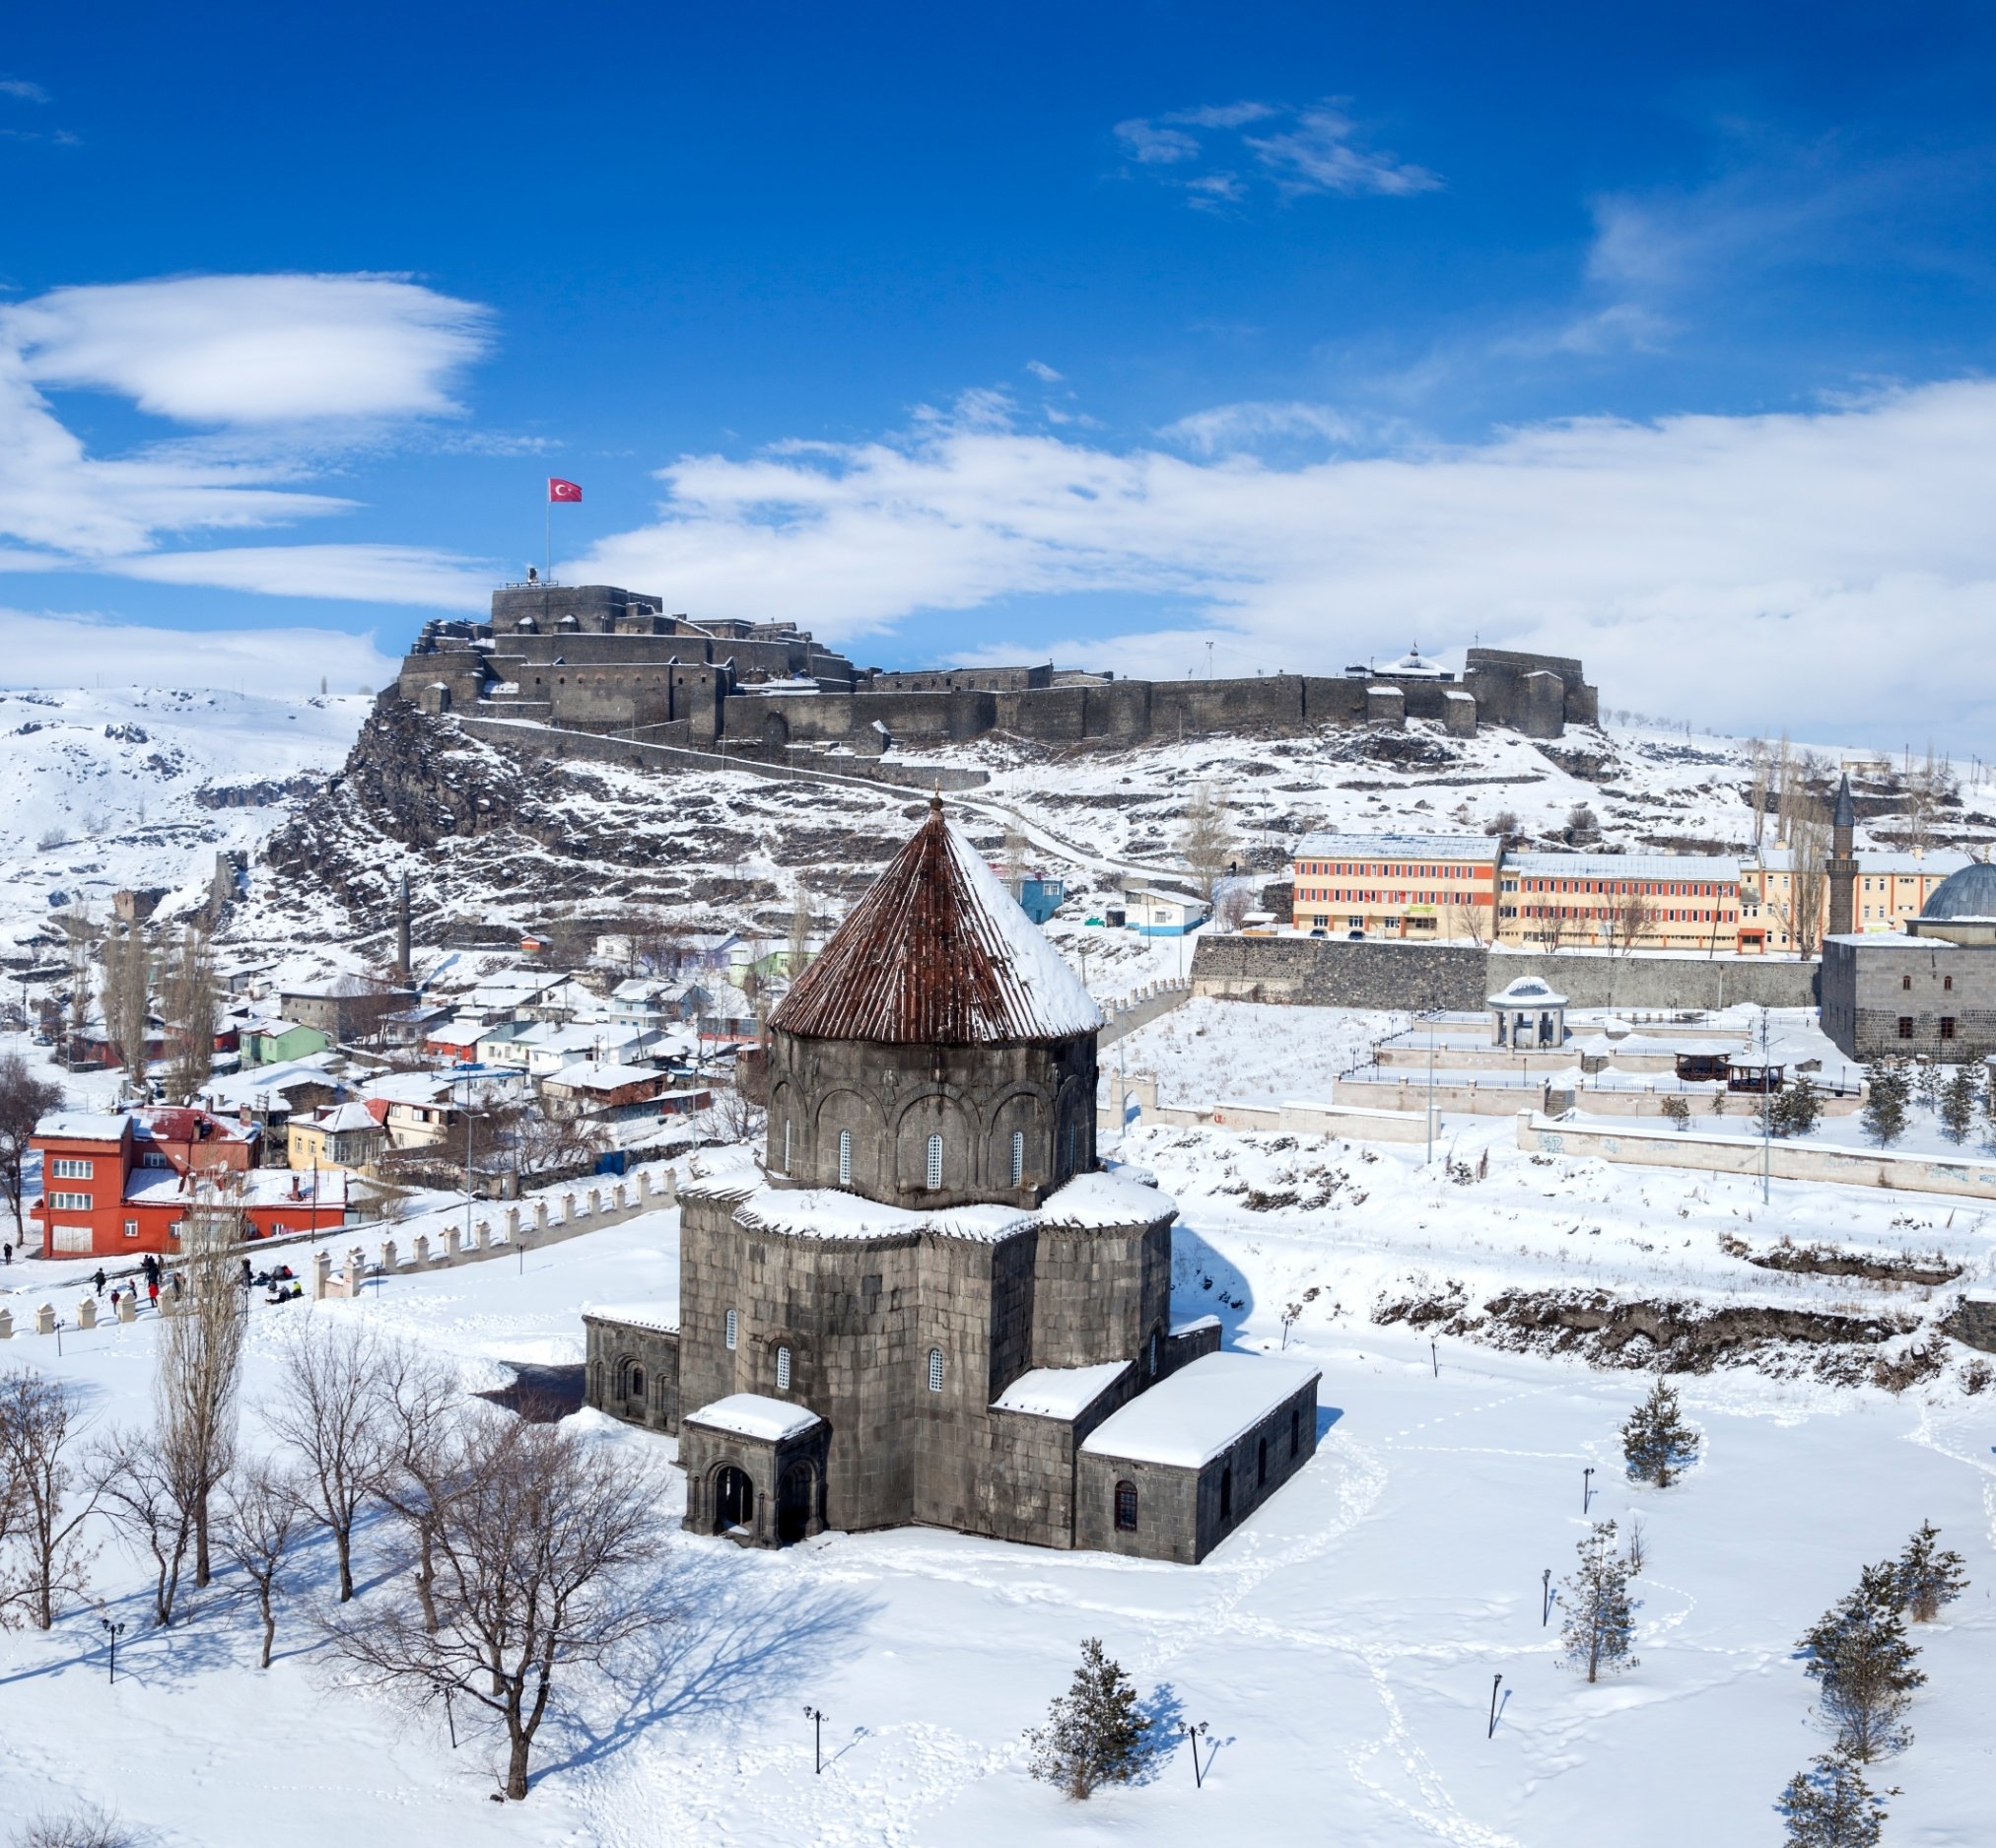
(86, 1313)
(511, 1224)
(357, 1274)
(321, 1274)
(453, 1245)
(389, 1256)
(422, 1251)
(595, 1201)
(45, 1319)
(568, 1209)
(128, 1306)
(540, 1216)
(6, 1324)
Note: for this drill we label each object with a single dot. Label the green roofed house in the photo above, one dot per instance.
(272, 1042)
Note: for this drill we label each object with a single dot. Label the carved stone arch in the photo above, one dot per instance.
(937, 1110)
(776, 732)
(790, 1130)
(849, 1110)
(1024, 1110)
(1074, 1131)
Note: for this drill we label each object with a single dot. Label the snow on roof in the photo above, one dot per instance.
(660, 1317)
(1193, 1325)
(337, 1119)
(750, 1415)
(82, 1125)
(938, 953)
(1399, 847)
(1719, 868)
(1092, 1202)
(1531, 991)
(1936, 863)
(826, 1212)
(408, 1087)
(258, 1081)
(1188, 1420)
(1060, 1391)
(584, 1076)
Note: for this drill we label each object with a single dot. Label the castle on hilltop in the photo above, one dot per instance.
(593, 657)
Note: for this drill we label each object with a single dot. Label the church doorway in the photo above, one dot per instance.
(733, 1499)
(793, 1504)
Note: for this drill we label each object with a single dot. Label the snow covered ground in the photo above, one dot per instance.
(1342, 1645)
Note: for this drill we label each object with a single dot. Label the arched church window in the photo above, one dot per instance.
(845, 1158)
(783, 1369)
(1018, 1157)
(935, 1369)
(1125, 1507)
(733, 1328)
(933, 1171)
(634, 1386)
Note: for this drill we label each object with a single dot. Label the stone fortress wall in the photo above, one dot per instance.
(595, 657)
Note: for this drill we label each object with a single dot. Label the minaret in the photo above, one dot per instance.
(1842, 863)
(403, 963)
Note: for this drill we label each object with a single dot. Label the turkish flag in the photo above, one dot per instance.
(560, 490)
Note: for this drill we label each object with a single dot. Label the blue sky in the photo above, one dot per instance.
(1097, 332)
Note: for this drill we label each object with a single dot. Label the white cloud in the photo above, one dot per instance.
(22, 91)
(1315, 150)
(1828, 571)
(48, 650)
(292, 367)
(361, 574)
(1232, 428)
(253, 350)
(1040, 370)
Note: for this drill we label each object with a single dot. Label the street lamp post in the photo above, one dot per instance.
(114, 1631)
(1194, 1734)
(1587, 1490)
(1494, 1686)
(817, 1720)
(1545, 1598)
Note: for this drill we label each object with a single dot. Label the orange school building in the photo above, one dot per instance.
(1422, 887)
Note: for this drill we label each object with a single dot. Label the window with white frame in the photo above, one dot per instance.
(845, 1158)
(934, 1172)
(783, 1369)
(1018, 1157)
(69, 1203)
(131, 1228)
(69, 1168)
(935, 1369)
(733, 1328)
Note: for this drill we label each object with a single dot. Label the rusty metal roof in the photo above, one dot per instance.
(938, 953)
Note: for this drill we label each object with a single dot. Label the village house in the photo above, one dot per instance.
(606, 1086)
(1153, 908)
(124, 1183)
(341, 1135)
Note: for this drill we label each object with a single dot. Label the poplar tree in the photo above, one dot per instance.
(1600, 1614)
(1094, 1732)
(1656, 1441)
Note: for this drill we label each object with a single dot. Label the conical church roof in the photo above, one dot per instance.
(938, 953)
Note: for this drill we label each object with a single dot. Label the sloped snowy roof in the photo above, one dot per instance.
(82, 1125)
(751, 1414)
(1094, 1200)
(1060, 1391)
(1706, 869)
(1399, 847)
(938, 953)
(1534, 991)
(1186, 1420)
(660, 1317)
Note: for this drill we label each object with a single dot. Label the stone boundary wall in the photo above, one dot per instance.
(1789, 1161)
(1327, 972)
(1299, 1119)
(598, 747)
(1151, 1003)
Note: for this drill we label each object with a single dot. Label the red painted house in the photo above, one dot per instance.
(118, 1185)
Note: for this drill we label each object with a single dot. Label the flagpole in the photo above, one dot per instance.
(547, 522)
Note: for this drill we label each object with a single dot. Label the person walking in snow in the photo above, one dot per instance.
(152, 1269)
(98, 1279)
(153, 1291)
(176, 1286)
(6, 1254)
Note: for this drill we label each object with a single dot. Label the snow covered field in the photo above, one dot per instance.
(1342, 1645)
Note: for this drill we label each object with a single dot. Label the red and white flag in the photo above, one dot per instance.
(560, 490)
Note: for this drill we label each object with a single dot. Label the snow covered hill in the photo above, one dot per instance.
(140, 787)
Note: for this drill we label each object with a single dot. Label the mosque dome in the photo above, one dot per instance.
(1969, 893)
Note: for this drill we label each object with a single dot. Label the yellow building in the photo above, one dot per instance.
(342, 1135)
(1619, 901)
(1891, 887)
(1428, 888)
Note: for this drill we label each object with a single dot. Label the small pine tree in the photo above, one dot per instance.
(1928, 1576)
(1677, 1108)
(1862, 1662)
(1958, 1105)
(1798, 1108)
(1720, 1097)
(1656, 1441)
(1926, 1082)
(1600, 1614)
(1830, 1806)
(1094, 1732)
(1884, 1104)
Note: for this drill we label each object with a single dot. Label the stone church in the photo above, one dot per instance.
(927, 1302)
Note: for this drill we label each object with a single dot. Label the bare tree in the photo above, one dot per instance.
(416, 1401)
(1631, 917)
(38, 1424)
(1929, 788)
(262, 1516)
(800, 934)
(90, 1826)
(82, 974)
(1466, 919)
(325, 1410)
(189, 1001)
(138, 1488)
(1206, 840)
(196, 1382)
(1231, 907)
(1756, 796)
(541, 1568)
(1801, 912)
(25, 1100)
(127, 996)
